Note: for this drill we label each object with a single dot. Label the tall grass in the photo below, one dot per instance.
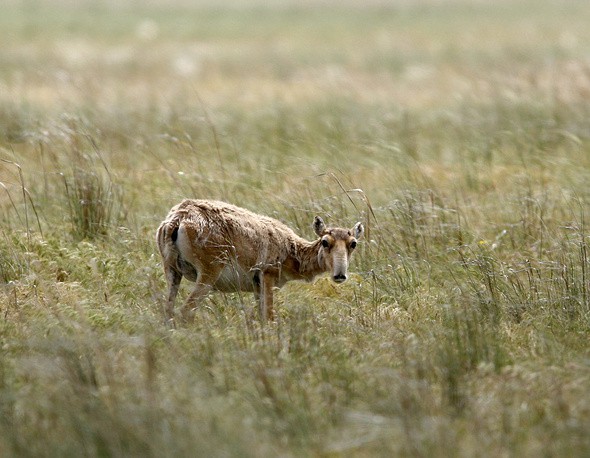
(457, 133)
(91, 201)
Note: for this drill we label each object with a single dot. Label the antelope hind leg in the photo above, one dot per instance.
(266, 297)
(173, 278)
(206, 278)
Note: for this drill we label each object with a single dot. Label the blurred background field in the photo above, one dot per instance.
(458, 131)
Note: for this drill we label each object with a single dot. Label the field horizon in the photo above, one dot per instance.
(457, 131)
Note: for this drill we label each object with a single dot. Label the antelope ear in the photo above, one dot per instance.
(318, 226)
(358, 230)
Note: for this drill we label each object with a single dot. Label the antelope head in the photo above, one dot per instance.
(336, 247)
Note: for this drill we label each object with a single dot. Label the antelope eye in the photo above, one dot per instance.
(353, 245)
(325, 243)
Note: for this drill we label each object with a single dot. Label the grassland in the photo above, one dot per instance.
(458, 131)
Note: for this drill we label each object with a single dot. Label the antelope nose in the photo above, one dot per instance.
(339, 278)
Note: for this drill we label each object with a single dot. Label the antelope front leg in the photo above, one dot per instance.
(266, 298)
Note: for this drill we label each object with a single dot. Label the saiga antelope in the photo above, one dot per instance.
(220, 246)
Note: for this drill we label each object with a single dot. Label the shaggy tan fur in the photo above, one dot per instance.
(227, 248)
